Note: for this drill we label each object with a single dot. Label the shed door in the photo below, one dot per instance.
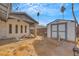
(59, 30)
(62, 31)
(54, 31)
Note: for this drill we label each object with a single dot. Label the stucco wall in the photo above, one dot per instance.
(15, 22)
(4, 29)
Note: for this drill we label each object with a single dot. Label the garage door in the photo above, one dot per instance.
(59, 30)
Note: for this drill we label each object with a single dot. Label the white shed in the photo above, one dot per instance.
(64, 29)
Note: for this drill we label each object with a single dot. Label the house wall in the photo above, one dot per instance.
(33, 29)
(4, 29)
(15, 22)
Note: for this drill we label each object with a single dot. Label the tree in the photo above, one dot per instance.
(63, 10)
(73, 13)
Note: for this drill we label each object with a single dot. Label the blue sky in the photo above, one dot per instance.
(48, 11)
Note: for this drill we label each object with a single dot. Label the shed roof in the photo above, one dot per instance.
(22, 15)
(60, 21)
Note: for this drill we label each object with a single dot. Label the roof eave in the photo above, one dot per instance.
(23, 13)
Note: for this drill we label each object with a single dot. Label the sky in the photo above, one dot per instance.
(48, 11)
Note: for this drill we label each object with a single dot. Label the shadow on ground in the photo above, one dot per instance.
(7, 41)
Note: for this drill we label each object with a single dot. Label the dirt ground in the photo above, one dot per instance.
(39, 46)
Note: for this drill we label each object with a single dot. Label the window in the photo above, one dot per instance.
(25, 29)
(16, 28)
(10, 28)
(21, 29)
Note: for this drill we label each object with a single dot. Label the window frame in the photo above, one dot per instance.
(16, 28)
(10, 28)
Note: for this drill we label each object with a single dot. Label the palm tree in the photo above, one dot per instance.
(63, 10)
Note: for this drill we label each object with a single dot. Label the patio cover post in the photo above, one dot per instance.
(35, 30)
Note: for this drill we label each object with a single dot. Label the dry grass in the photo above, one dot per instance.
(21, 48)
(17, 51)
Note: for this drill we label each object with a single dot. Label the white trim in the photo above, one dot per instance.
(14, 17)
